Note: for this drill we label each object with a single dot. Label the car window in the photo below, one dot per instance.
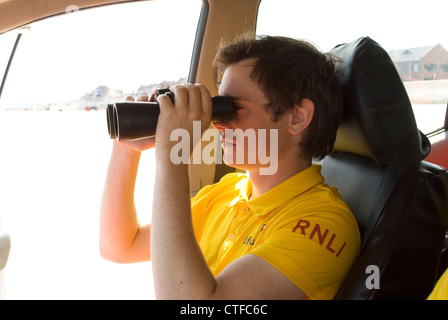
(55, 144)
(411, 32)
(6, 47)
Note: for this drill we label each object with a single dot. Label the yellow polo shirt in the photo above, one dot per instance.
(440, 291)
(301, 226)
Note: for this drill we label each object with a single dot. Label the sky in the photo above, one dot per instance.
(395, 24)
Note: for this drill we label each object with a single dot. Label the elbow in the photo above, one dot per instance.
(109, 250)
(110, 255)
(123, 256)
(106, 255)
(118, 250)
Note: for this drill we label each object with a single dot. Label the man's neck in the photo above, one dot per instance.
(263, 183)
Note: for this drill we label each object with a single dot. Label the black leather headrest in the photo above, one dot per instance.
(378, 114)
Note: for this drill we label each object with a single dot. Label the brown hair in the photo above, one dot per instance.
(289, 70)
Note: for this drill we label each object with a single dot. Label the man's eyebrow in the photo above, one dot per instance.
(240, 99)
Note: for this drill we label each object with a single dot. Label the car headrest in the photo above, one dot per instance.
(378, 116)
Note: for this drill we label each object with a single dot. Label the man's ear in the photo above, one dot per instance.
(301, 116)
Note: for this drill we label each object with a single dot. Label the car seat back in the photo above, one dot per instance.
(399, 200)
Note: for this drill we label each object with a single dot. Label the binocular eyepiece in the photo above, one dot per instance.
(133, 120)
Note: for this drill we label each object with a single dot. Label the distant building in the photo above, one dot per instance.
(162, 85)
(423, 63)
(101, 91)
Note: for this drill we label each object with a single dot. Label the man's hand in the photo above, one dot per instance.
(192, 102)
(142, 144)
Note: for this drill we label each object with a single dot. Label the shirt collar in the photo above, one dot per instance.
(285, 191)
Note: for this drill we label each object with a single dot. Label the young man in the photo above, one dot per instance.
(285, 235)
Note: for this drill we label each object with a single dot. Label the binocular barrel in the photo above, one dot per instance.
(132, 120)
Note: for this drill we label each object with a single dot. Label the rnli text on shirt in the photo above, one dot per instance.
(314, 232)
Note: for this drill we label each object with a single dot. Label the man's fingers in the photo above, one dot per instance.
(206, 100)
(143, 97)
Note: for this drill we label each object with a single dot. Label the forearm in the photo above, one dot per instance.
(119, 225)
(179, 268)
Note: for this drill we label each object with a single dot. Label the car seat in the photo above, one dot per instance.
(438, 155)
(400, 201)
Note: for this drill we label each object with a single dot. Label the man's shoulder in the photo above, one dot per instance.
(233, 177)
(231, 182)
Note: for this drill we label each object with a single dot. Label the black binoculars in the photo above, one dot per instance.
(133, 120)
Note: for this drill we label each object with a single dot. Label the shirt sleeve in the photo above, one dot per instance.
(440, 291)
(315, 252)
